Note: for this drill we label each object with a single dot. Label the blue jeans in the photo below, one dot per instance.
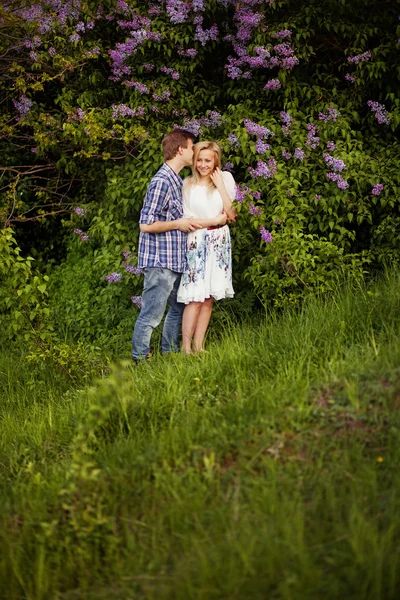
(160, 288)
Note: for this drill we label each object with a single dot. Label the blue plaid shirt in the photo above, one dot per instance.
(163, 202)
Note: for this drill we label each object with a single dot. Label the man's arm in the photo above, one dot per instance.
(152, 208)
(185, 225)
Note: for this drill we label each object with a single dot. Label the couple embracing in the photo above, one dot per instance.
(184, 245)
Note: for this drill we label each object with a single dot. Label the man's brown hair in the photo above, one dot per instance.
(178, 138)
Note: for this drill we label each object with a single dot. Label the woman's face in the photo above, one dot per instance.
(205, 162)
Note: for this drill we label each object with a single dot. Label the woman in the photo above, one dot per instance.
(207, 197)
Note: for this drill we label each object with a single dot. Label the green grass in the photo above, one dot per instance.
(266, 468)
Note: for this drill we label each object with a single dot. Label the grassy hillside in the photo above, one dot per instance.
(266, 468)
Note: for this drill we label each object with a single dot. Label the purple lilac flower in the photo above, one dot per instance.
(23, 106)
(132, 270)
(285, 33)
(341, 183)
(228, 166)
(278, 222)
(169, 71)
(254, 210)
(350, 78)
(34, 150)
(177, 11)
(126, 254)
(273, 84)
(274, 62)
(122, 7)
(364, 57)
(381, 114)
(254, 62)
(113, 277)
(84, 237)
(286, 154)
(198, 5)
(246, 20)
(79, 211)
(265, 235)
(191, 52)
(258, 130)
(124, 50)
(331, 146)
(80, 114)
(299, 154)
(289, 63)
(332, 115)
(317, 197)
(240, 195)
(287, 122)
(164, 97)
(192, 125)
(148, 67)
(266, 170)
(120, 111)
(262, 51)
(212, 120)
(137, 300)
(154, 11)
(284, 49)
(233, 140)
(334, 163)
(139, 87)
(377, 189)
(52, 51)
(205, 35)
(312, 138)
(33, 56)
(75, 37)
(233, 72)
(262, 147)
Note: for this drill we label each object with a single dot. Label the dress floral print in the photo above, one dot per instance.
(200, 249)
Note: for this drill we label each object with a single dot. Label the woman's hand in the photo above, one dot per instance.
(216, 178)
(221, 218)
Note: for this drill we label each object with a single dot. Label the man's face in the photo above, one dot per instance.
(187, 153)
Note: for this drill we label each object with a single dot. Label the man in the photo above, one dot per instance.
(162, 247)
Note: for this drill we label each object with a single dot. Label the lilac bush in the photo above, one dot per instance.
(91, 89)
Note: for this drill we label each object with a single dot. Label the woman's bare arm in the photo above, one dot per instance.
(218, 181)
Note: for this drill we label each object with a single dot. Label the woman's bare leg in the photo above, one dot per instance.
(189, 324)
(202, 322)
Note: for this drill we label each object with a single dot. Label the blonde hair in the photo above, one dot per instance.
(197, 148)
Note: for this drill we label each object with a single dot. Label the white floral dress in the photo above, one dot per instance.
(209, 258)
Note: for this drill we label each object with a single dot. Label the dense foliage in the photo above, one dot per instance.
(302, 97)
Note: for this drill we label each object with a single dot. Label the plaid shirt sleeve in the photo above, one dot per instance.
(154, 203)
